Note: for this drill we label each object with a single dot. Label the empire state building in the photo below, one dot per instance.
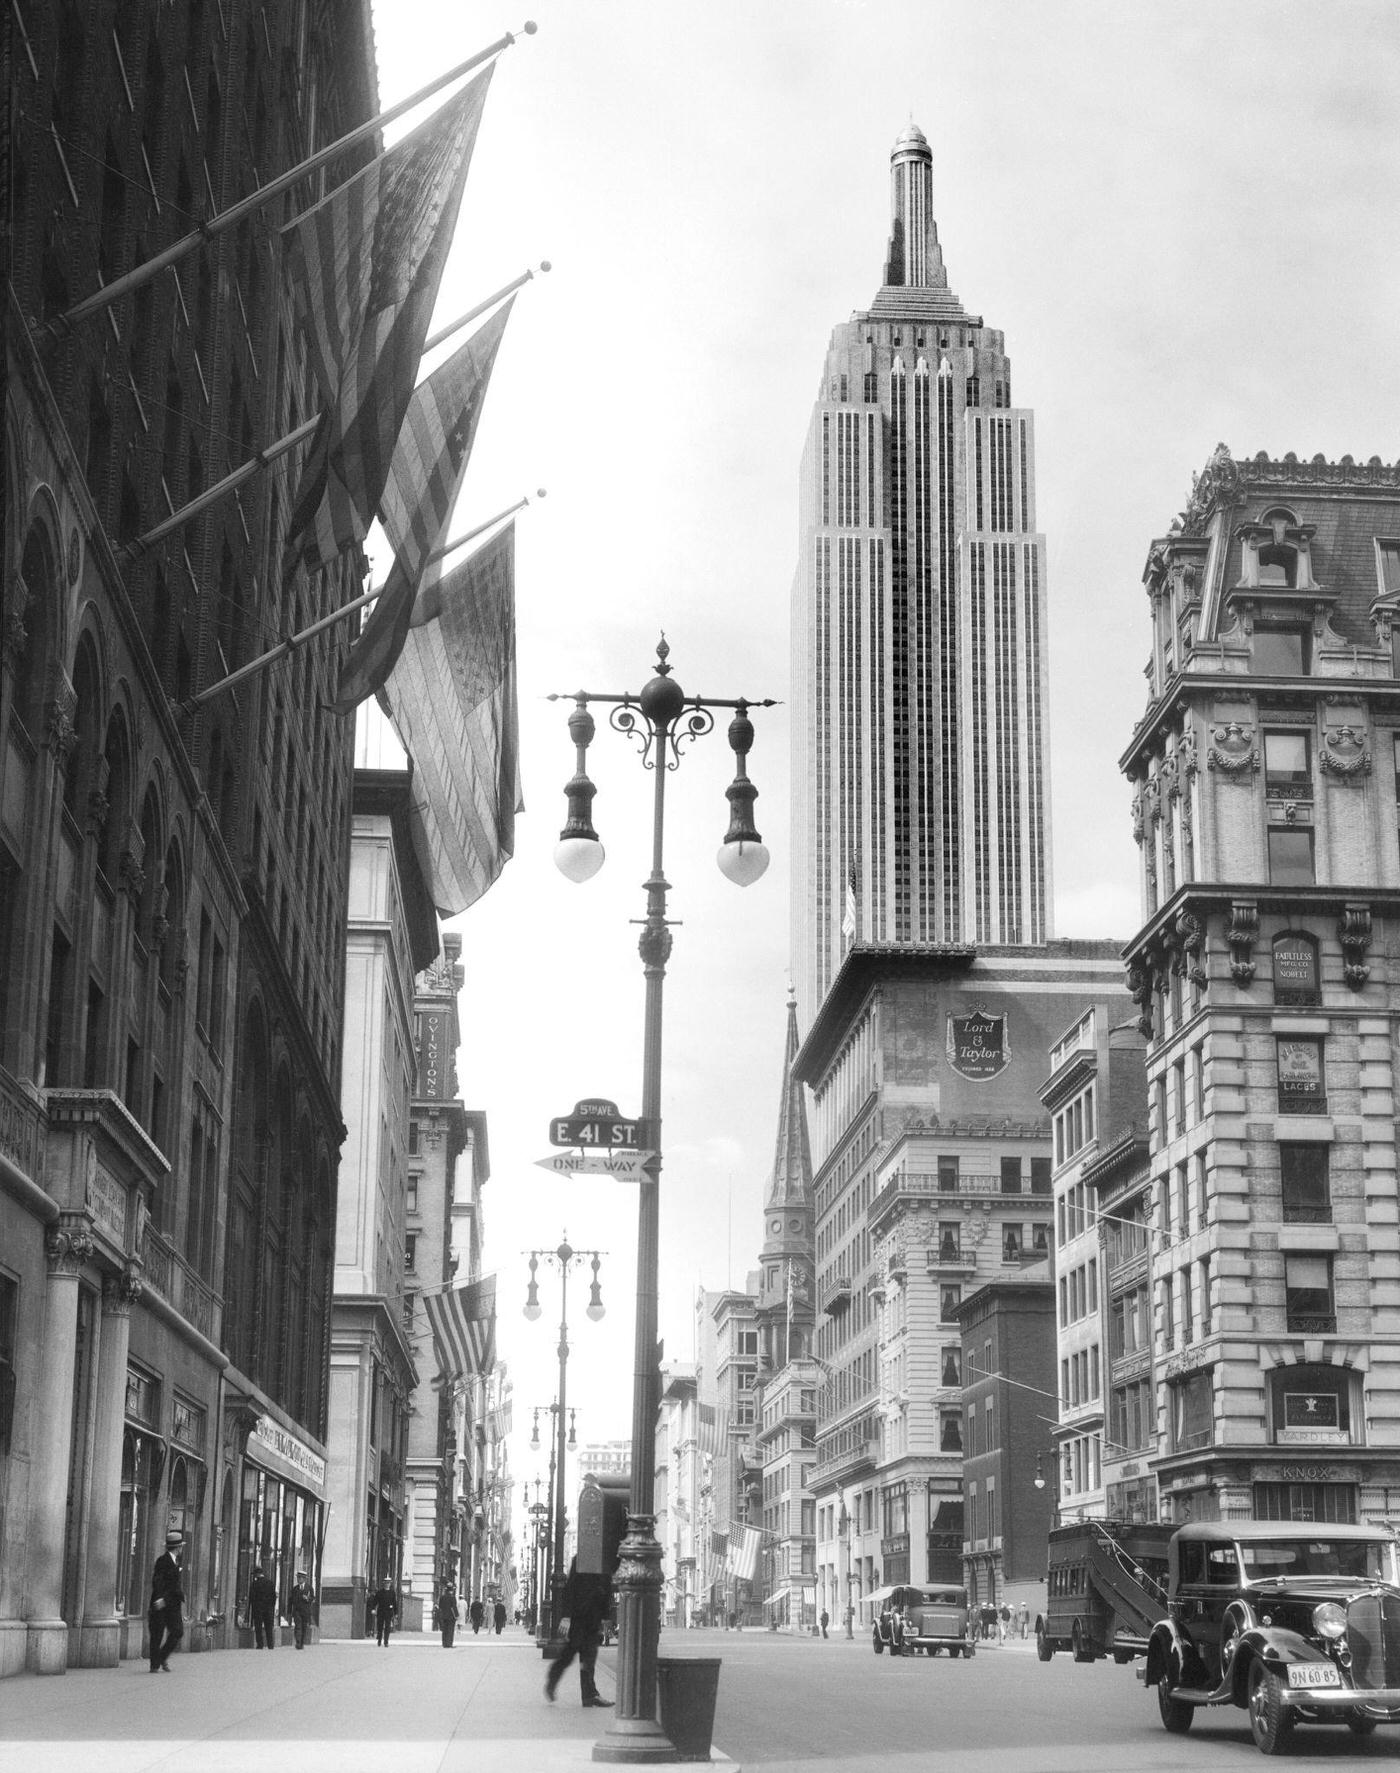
(919, 635)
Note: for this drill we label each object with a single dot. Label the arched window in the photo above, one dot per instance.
(1296, 975)
(38, 593)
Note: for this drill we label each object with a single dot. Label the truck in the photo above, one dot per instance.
(1105, 1589)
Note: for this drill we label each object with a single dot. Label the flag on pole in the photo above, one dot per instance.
(365, 264)
(743, 1554)
(453, 700)
(424, 478)
(713, 1425)
(848, 922)
(463, 1322)
(716, 1560)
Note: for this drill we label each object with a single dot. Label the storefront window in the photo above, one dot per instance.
(136, 1544)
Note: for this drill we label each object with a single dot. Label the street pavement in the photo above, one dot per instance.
(411, 1707)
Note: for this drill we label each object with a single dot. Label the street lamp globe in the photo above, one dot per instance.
(743, 861)
(578, 858)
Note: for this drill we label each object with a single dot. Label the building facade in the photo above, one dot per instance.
(172, 877)
(391, 938)
(932, 1177)
(448, 1166)
(1266, 790)
(919, 809)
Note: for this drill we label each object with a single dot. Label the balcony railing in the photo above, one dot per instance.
(836, 1294)
(21, 1127)
(168, 1274)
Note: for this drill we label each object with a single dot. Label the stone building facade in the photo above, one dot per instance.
(172, 878)
(1266, 790)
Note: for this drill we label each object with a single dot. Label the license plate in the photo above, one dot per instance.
(1313, 1674)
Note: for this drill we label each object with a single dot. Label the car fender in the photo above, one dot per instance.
(1170, 1654)
(1274, 1647)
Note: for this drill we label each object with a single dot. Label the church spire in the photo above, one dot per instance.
(792, 1160)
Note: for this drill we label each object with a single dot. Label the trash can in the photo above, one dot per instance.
(686, 1688)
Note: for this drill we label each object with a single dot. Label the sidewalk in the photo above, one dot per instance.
(412, 1707)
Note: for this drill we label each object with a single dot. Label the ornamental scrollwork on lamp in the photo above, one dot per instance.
(1241, 933)
(1232, 749)
(1354, 933)
(1344, 754)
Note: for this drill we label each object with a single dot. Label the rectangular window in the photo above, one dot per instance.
(1011, 1175)
(411, 1195)
(1287, 765)
(1332, 1503)
(1307, 1197)
(410, 1253)
(950, 1297)
(1191, 1411)
(950, 1241)
(947, 1175)
(1204, 1268)
(1040, 1175)
(1281, 652)
(1300, 1075)
(1291, 856)
(1308, 1299)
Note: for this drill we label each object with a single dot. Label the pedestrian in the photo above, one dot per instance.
(165, 1617)
(826, 1620)
(1003, 1623)
(585, 1601)
(262, 1605)
(499, 1617)
(1023, 1618)
(446, 1613)
(384, 1604)
(299, 1605)
(478, 1614)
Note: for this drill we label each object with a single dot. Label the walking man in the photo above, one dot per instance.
(826, 1620)
(585, 1602)
(478, 1613)
(448, 1613)
(262, 1604)
(299, 1604)
(498, 1617)
(165, 1618)
(385, 1603)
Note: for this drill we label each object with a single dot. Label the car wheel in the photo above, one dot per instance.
(1270, 1720)
(1044, 1649)
(1077, 1645)
(1359, 1724)
(1175, 1713)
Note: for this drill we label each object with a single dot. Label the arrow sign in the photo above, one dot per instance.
(622, 1166)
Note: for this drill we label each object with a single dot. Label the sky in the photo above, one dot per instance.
(1181, 215)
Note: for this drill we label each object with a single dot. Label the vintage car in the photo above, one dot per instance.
(1297, 1622)
(916, 1616)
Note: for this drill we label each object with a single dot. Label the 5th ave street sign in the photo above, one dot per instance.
(621, 1165)
(596, 1125)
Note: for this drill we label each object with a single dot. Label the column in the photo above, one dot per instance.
(68, 1244)
(99, 1639)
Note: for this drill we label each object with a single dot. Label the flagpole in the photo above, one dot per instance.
(240, 476)
(249, 205)
(284, 649)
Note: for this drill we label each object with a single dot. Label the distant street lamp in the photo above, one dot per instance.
(563, 1257)
(661, 718)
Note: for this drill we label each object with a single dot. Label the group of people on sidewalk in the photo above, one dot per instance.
(165, 1613)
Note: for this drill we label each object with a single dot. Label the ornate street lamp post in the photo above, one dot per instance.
(563, 1257)
(661, 718)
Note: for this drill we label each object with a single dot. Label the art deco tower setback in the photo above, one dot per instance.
(919, 636)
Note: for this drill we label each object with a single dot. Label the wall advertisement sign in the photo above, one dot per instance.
(978, 1047)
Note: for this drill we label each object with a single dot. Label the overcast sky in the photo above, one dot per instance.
(1182, 216)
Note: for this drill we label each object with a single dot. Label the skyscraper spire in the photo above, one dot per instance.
(915, 259)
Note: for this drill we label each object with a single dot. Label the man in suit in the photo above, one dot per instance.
(262, 1604)
(165, 1617)
(384, 1603)
(586, 1601)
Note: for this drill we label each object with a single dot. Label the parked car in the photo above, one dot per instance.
(1296, 1622)
(914, 1616)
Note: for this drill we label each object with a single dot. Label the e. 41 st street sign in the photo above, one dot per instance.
(595, 1125)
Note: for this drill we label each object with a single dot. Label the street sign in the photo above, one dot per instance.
(622, 1166)
(596, 1125)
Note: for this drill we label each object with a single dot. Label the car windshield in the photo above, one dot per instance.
(1362, 1559)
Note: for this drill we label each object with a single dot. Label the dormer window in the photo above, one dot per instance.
(1278, 566)
(1282, 652)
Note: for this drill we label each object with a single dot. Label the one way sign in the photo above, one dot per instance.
(622, 1166)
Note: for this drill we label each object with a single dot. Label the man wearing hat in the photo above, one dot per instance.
(165, 1618)
(262, 1606)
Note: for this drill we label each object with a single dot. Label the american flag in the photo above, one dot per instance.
(743, 1554)
(716, 1558)
(452, 696)
(365, 264)
(463, 1322)
(424, 478)
(713, 1425)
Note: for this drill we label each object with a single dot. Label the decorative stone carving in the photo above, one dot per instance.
(1344, 753)
(1241, 933)
(1219, 484)
(1187, 763)
(1139, 817)
(1192, 937)
(1139, 982)
(1152, 799)
(68, 1244)
(121, 1291)
(61, 730)
(1232, 749)
(1354, 933)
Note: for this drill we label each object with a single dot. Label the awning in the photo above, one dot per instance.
(781, 1595)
